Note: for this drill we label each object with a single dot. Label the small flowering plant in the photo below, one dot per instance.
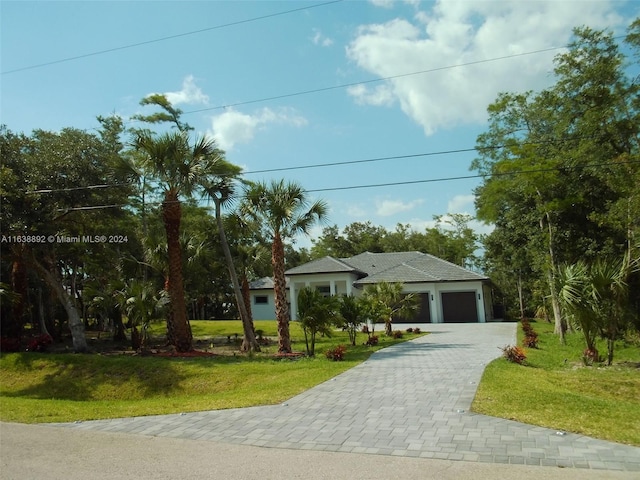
(40, 343)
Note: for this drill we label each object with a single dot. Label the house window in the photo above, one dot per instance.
(261, 300)
(324, 290)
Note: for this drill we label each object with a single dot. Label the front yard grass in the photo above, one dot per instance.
(554, 389)
(64, 387)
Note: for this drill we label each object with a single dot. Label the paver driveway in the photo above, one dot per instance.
(411, 399)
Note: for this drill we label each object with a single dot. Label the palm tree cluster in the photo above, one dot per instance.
(174, 168)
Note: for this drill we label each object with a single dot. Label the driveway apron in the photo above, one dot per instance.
(412, 399)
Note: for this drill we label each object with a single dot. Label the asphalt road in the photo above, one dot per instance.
(44, 452)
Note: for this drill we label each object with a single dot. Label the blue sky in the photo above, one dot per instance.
(330, 45)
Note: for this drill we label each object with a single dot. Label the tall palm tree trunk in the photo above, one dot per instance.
(177, 322)
(249, 341)
(280, 293)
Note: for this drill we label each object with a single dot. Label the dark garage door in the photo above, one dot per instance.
(459, 307)
(423, 316)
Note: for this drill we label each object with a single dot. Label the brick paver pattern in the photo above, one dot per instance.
(412, 399)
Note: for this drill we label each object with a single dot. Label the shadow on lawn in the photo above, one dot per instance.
(79, 377)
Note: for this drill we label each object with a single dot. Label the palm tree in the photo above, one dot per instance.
(317, 314)
(284, 211)
(596, 297)
(219, 187)
(178, 168)
(386, 301)
(353, 313)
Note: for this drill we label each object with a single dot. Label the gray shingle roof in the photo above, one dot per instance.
(405, 267)
(323, 265)
(411, 267)
(263, 283)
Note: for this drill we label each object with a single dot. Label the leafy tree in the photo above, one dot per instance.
(317, 314)
(385, 301)
(451, 239)
(283, 210)
(554, 163)
(65, 191)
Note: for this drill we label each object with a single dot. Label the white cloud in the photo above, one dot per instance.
(378, 96)
(319, 39)
(390, 3)
(386, 208)
(190, 94)
(383, 3)
(457, 32)
(233, 127)
(461, 204)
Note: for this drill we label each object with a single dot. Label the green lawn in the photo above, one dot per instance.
(67, 387)
(553, 389)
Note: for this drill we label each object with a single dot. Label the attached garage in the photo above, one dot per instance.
(447, 292)
(423, 316)
(459, 307)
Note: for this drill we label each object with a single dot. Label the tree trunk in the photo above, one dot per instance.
(118, 326)
(560, 325)
(20, 285)
(76, 324)
(249, 342)
(182, 336)
(280, 293)
(388, 327)
(41, 318)
(520, 296)
(246, 295)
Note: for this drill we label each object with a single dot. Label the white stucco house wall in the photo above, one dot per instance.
(263, 305)
(448, 292)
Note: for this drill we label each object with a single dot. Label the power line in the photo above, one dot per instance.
(335, 164)
(374, 80)
(467, 177)
(395, 184)
(368, 160)
(169, 37)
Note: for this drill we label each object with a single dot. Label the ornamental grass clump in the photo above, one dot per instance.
(514, 354)
(530, 339)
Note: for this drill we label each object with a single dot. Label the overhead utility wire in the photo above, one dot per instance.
(374, 80)
(466, 177)
(393, 184)
(318, 165)
(169, 37)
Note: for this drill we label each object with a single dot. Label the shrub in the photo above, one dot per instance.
(417, 330)
(336, 354)
(530, 335)
(9, 344)
(514, 354)
(396, 334)
(589, 357)
(409, 330)
(530, 340)
(373, 340)
(39, 343)
(365, 329)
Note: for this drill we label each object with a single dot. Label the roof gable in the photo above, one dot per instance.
(323, 265)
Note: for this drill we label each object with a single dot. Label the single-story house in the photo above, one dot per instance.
(263, 305)
(448, 292)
